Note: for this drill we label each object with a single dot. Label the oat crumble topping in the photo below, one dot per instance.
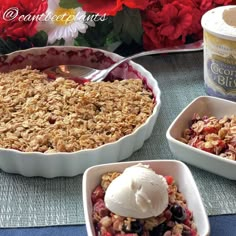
(213, 135)
(63, 116)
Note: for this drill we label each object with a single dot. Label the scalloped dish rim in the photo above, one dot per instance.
(16, 154)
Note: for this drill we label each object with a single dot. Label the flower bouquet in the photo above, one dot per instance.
(108, 24)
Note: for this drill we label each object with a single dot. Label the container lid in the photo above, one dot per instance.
(221, 21)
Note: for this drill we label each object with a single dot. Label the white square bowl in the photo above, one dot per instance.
(177, 169)
(204, 105)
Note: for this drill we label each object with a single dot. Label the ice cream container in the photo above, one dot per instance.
(219, 26)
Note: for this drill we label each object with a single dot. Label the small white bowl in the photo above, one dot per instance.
(204, 105)
(177, 169)
(51, 165)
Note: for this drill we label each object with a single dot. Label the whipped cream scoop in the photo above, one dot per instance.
(138, 193)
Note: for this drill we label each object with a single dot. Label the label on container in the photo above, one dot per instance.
(220, 65)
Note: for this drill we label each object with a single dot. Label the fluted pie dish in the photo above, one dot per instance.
(60, 127)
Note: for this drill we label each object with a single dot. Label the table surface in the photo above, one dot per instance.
(220, 226)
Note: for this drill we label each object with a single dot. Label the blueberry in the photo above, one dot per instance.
(178, 212)
(136, 227)
(159, 230)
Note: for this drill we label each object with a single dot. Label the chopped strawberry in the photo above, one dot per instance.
(187, 222)
(203, 146)
(188, 213)
(129, 234)
(197, 143)
(100, 209)
(221, 143)
(169, 179)
(98, 193)
(106, 234)
(210, 130)
(210, 150)
(193, 232)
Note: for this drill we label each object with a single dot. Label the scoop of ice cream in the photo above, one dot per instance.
(138, 193)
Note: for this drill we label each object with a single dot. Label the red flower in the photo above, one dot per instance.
(16, 27)
(203, 5)
(171, 22)
(111, 7)
(166, 23)
(176, 19)
(195, 30)
(222, 2)
(153, 39)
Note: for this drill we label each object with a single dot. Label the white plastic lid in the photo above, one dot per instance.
(213, 22)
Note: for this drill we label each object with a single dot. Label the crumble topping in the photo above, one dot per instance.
(63, 116)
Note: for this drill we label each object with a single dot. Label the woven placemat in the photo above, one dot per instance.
(30, 202)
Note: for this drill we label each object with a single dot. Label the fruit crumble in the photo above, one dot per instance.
(216, 136)
(175, 220)
(39, 115)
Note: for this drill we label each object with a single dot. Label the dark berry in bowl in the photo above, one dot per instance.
(159, 230)
(136, 228)
(178, 212)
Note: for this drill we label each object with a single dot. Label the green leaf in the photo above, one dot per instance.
(97, 36)
(111, 40)
(39, 39)
(128, 25)
(69, 4)
(12, 45)
(8, 46)
(4, 48)
(81, 41)
(58, 42)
